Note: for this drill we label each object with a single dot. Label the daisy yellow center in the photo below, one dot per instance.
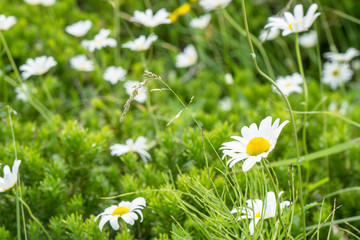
(335, 72)
(288, 85)
(257, 146)
(258, 215)
(120, 211)
(98, 42)
(290, 26)
(191, 59)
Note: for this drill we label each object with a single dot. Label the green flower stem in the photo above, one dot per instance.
(253, 39)
(34, 218)
(125, 230)
(290, 111)
(306, 92)
(276, 187)
(18, 225)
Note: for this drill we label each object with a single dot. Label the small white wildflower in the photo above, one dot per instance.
(79, 29)
(81, 63)
(289, 84)
(186, 58)
(139, 146)
(343, 57)
(100, 41)
(141, 92)
(229, 79)
(114, 74)
(336, 74)
(10, 177)
(37, 66)
(148, 19)
(225, 104)
(200, 22)
(210, 5)
(141, 43)
(308, 40)
(6, 22)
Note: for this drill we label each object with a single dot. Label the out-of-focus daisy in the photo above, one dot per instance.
(296, 23)
(200, 22)
(37, 66)
(46, 3)
(225, 104)
(269, 34)
(258, 210)
(141, 94)
(81, 63)
(79, 28)
(229, 79)
(255, 143)
(6, 22)
(141, 43)
(336, 73)
(148, 19)
(139, 146)
(127, 211)
(114, 74)
(186, 58)
(182, 10)
(210, 5)
(289, 84)
(100, 41)
(20, 92)
(308, 40)
(333, 107)
(10, 177)
(342, 57)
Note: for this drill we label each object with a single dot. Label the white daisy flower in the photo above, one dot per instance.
(81, 63)
(289, 84)
(200, 22)
(148, 19)
(269, 34)
(333, 107)
(141, 43)
(10, 177)
(186, 58)
(336, 73)
(37, 66)
(228, 79)
(225, 104)
(342, 57)
(296, 23)
(141, 93)
(258, 210)
(6, 22)
(100, 41)
(114, 74)
(308, 40)
(209, 5)
(79, 29)
(48, 3)
(128, 211)
(45, 3)
(255, 143)
(139, 146)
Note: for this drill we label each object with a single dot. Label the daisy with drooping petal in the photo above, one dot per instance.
(100, 41)
(209, 5)
(343, 57)
(139, 146)
(336, 74)
(269, 34)
(6, 22)
(308, 40)
(289, 84)
(10, 177)
(79, 29)
(186, 58)
(255, 143)
(200, 22)
(127, 211)
(141, 94)
(37, 66)
(114, 74)
(296, 23)
(148, 19)
(81, 63)
(141, 43)
(258, 210)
